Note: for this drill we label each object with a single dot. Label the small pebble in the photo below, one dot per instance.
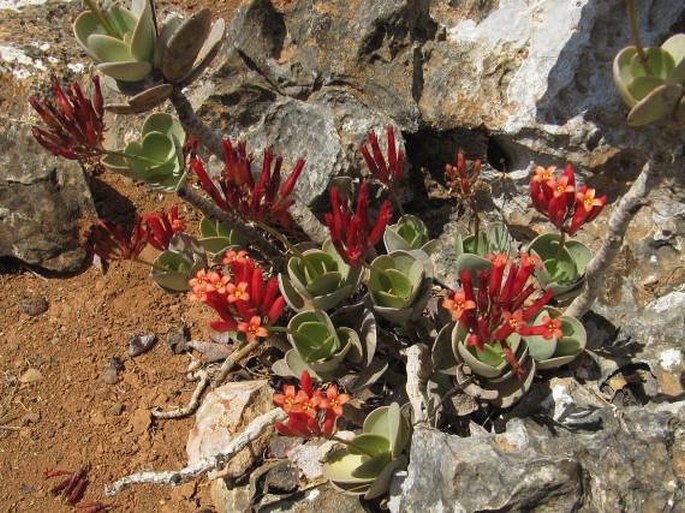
(33, 306)
(30, 418)
(117, 409)
(31, 376)
(177, 340)
(110, 376)
(141, 343)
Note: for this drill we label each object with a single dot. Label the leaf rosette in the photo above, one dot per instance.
(319, 279)
(472, 251)
(485, 374)
(408, 233)
(367, 465)
(156, 158)
(399, 285)
(653, 89)
(217, 238)
(563, 269)
(172, 269)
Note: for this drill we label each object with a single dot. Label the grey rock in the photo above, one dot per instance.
(322, 499)
(282, 478)
(633, 464)
(33, 305)
(42, 200)
(141, 343)
(177, 340)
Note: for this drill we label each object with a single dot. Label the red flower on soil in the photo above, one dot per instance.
(267, 200)
(162, 226)
(73, 123)
(311, 411)
(352, 233)
(111, 241)
(387, 172)
(242, 296)
(557, 197)
(502, 304)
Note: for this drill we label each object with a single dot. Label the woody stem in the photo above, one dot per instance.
(290, 247)
(92, 7)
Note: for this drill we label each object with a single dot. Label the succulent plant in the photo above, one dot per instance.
(143, 61)
(399, 285)
(319, 279)
(549, 354)
(217, 238)
(326, 349)
(367, 464)
(472, 250)
(121, 40)
(563, 268)
(653, 89)
(172, 269)
(408, 233)
(486, 374)
(156, 158)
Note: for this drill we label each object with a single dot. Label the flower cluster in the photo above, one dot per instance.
(387, 172)
(501, 304)
(461, 180)
(243, 297)
(162, 226)
(112, 241)
(74, 127)
(267, 200)
(565, 205)
(311, 412)
(353, 233)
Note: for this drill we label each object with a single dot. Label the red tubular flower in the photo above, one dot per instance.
(111, 241)
(242, 297)
(311, 411)
(162, 227)
(460, 179)
(352, 234)
(502, 304)
(557, 198)
(73, 123)
(387, 172)
(266, 200)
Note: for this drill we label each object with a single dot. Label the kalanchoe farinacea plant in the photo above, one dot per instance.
(409, 232)
(265, 201)
(156, 158)
(331, 347)
(473, 251)
(463, 181)
(162, 226)
(74, 123)
(143, 60)
(319, 279)
(567, 341)
(244, 298)
(367, 463)
(183, 257)
(217, 238)
(353, 233)
(651, 81)
(568, 207)
(399, 285)
(312, 411)
(494, 311)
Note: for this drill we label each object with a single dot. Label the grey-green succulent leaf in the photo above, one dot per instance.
(653, 89)
(408, 233)
(366, 466)
(217, 238)
(173, 268)
(552, 353)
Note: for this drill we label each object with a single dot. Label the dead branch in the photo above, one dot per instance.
(192, 405)
(175, 477)
(418, 372)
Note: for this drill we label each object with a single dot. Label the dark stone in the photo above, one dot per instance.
(283, 478)
(178, 339)
(141, 343)
(42, 200)
(33, 306)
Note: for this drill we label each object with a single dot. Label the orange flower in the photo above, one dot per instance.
(544, 175)
(552, 328)
(236, 256)
(458, 305)
(334, 400)
(237, 292)
(253, 329)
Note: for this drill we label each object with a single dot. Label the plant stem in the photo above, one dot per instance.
(354, 446)
(193, 125)
(210, 209)
(290, 247)
(92, 7)
(635, 32)
(562, 243)
(618, 225)
(233, 360)
(395, 199)
(125, 155)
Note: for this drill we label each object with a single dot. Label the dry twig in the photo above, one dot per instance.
(191, 407)
(418, 372)
(175, 477)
